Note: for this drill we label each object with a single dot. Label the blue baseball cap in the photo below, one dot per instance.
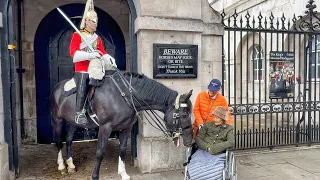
(214, 85)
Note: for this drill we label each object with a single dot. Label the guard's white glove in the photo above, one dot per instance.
(109, 60)
(200, 126)
(84, 56)
(100, 53)
(94, 55)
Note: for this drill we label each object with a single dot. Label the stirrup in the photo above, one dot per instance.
(81, 118)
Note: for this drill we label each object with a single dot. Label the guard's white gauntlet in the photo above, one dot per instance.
(84, 56)
(109, 60)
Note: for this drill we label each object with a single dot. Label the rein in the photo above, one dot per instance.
(157, 119)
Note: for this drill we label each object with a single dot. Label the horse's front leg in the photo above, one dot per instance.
(123, 138)
(103, 136)
(69, 161)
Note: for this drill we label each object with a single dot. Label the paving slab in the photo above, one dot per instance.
(282, 163)
(240, 177)
(306, 164)
(252, 171)
(297, 154)
(274, 177)
(266, 159)
(170, 175)
(290, 172)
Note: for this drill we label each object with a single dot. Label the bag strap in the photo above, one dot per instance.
(205, 119)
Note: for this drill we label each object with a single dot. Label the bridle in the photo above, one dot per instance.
(179, 112)
(178, 108)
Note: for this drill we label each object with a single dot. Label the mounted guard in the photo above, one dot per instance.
(88, 64)
(127, 94)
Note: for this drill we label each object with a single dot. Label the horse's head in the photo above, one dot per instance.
(178, 119)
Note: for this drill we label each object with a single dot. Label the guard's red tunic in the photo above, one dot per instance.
(82, 66)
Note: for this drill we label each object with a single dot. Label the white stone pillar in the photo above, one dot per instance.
(168, 22)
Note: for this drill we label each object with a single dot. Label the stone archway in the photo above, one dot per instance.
(55, 64)
(33, 13)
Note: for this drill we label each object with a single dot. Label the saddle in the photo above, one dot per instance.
(70, 86)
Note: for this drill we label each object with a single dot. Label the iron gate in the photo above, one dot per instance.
(271, 78)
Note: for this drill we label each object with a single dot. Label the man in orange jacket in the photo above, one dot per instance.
(206, 102)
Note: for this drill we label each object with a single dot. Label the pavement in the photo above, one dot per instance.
(293, 163)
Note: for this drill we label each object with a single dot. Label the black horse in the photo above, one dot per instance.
(115, 104)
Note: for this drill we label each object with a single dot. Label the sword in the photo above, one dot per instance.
(75, 28)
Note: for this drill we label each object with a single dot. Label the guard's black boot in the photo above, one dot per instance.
(82, 88)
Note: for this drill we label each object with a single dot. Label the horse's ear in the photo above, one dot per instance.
(187, 96)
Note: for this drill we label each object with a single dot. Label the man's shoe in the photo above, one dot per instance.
(81, 118)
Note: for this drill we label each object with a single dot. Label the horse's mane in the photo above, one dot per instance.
(150, 89)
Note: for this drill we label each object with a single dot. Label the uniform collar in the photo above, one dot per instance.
(85, 30)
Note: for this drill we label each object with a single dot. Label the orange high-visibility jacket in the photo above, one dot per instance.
(202, 105)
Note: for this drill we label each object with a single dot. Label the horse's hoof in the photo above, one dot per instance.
(125, 177)
(71, 170)
(63, 171)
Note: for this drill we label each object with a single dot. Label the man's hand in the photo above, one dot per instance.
(85, 56)
(113, 61)
(200, 126)
(98, 52)
(109, 60)
(208, 149)
(93, 55)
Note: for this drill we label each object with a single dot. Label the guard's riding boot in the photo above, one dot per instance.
(82, 88)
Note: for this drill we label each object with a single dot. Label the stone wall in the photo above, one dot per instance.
(4, 160)
(288, 7)
(1, 91)
(168, 22)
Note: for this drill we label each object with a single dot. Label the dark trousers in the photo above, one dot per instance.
(82, 80)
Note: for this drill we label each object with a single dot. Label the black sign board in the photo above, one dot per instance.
(175, 61)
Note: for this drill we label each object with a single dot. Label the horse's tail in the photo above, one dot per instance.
(54, 89)
(52, 101)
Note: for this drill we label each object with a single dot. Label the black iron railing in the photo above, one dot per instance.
(271, 77)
